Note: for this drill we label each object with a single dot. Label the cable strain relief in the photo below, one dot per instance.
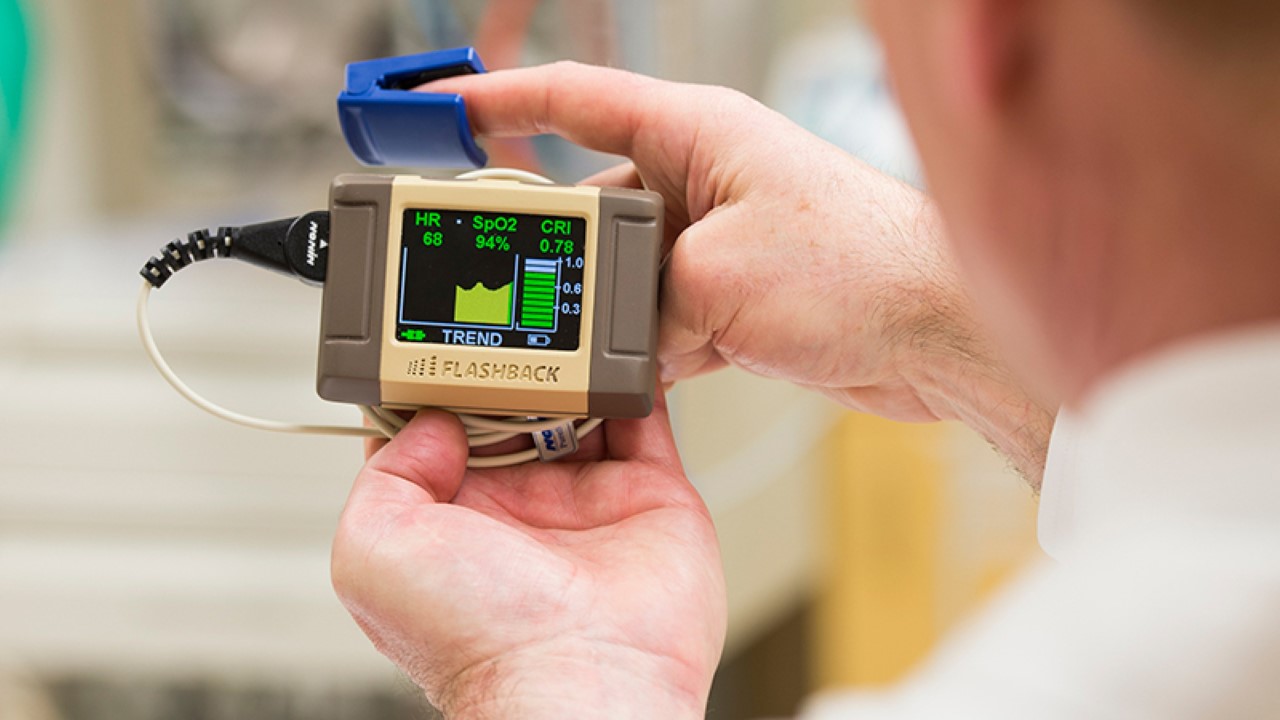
(197, 246)
(296, 246)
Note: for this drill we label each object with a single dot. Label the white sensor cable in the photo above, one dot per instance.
(481, 431)
(505, 174)
(157, 359)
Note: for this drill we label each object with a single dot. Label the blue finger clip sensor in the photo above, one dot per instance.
(387, 124)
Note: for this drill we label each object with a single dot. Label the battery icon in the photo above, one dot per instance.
(538, 293)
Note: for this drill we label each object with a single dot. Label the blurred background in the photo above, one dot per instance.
(157, 563)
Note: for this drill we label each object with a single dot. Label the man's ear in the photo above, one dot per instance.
(992, 44)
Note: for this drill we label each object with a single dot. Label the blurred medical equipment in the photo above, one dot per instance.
(14, 69)
(833, 83)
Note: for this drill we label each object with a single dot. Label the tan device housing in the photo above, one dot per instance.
(610, 375)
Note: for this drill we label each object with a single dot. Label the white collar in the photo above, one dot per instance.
(1188, 437)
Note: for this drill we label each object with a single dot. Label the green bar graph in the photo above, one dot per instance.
(538, 294)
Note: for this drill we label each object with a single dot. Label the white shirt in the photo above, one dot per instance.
(1161, 509)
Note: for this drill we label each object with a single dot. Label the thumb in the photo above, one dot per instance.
(700, 296)
(424, 463)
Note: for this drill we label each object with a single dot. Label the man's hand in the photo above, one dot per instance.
(788, 257)
(588, 588)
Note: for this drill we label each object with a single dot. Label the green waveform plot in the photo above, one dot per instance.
(482, 306)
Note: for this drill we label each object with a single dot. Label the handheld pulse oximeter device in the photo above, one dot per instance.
(491, 296)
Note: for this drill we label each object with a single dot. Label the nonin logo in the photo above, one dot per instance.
(556, 442)
(315, 243)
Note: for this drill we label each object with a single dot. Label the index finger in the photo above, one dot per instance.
(604, 109)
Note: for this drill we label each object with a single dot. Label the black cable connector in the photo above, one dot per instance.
(297, 246)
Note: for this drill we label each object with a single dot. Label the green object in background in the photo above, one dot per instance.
(14, 67)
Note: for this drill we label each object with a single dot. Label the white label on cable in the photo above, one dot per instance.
(554, 443)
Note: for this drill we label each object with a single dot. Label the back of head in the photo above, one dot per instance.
(1238, 40)
(1220, 24)
(1106, 167)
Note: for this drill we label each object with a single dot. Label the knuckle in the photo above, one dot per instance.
(566, 67)
(578, 72)
(729, 100)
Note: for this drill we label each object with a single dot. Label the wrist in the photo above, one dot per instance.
(611, 682)
(957, 373)
(979, 392)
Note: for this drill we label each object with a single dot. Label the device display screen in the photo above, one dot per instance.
(491, 279)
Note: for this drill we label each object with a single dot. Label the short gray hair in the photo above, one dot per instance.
(1241, 25)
